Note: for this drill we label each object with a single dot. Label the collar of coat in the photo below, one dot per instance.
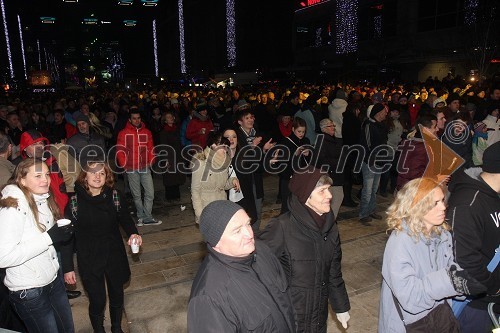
(304, 218)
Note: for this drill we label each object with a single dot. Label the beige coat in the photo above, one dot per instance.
(210, 179)
(69, 166)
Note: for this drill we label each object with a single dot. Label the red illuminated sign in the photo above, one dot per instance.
(309, 3)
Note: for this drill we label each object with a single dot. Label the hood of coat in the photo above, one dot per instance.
(218, 162)
(129, 126)
(339, 104)
(30, 137)
(198, 116)
(469, 179)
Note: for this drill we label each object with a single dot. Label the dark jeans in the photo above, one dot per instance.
(474, 320)
(390, 175)
(95, 285)
(44, 309)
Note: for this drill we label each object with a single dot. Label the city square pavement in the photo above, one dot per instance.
(162, 272)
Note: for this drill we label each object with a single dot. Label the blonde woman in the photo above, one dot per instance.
(419, 272)
(28, 233)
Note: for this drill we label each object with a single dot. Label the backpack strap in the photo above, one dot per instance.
(73, 201)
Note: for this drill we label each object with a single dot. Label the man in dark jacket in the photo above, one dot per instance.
(474, 214)
(87, 145)
(373, 139)
(307, 243)
(240, 286)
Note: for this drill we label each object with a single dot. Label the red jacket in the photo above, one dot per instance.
(193, 131)
(57, 186)
(70, 130)
(134, 148)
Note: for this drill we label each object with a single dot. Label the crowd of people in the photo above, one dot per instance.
(60, 157)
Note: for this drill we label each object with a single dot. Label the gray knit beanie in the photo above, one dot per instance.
(214, 219)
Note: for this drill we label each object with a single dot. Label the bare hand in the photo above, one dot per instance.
(236, 184)
(275, 156)
(138, 239)
(70, 277)
(257, 140)
(268, 145)
(443, 179)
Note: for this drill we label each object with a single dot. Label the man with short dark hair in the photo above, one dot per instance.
(240, 286)
(87, 145)
(134, 153)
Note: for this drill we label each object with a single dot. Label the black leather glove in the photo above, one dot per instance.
(464, 283)
(60, 234)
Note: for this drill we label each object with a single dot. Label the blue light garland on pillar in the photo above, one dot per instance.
(7, 40)
(155, 48)
(347, 26)
(181, 37)
(231, 33)
(22, 45)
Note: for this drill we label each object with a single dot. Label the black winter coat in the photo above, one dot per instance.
(311, 259)
(98, 240)
(329, 153)
(293, 162)
(474, 214)
(248, 294)
(246, 185)
(170, 154)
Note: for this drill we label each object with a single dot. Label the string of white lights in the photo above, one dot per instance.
(22, 45)
(470, 12)
(39, 54)
(377, 23)
(181, 37)
(230, 33)
(347, 26)
(155, 48)
(7, 40)
(46, 59)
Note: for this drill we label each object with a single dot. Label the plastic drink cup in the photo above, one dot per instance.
(134, 246)
(63, 222)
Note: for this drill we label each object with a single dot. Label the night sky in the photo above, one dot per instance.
(263, 28)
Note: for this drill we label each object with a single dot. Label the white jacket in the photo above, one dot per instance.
(492, 123)
(335, 111)
(25, 251)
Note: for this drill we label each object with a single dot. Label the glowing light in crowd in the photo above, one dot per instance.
(181, 37)
(470, 11)
(377, 23)
(7, 41)
(231, 33)
(22, 45)
(39, 54)
(155, 48)
(347, 26)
